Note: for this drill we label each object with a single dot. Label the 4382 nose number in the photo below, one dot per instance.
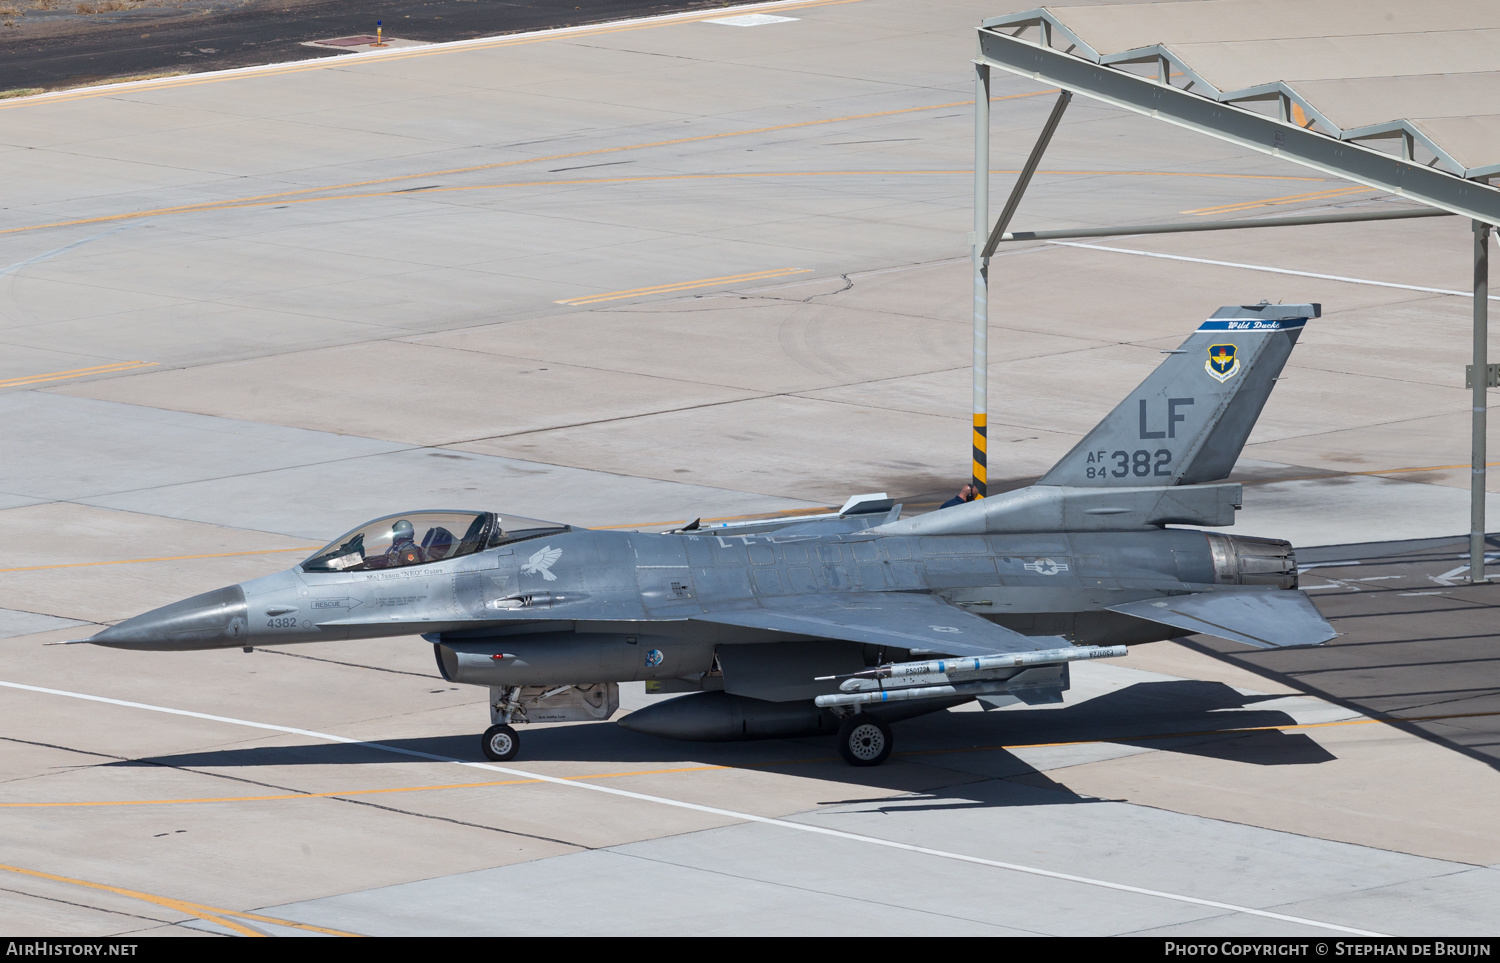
(1139, 462)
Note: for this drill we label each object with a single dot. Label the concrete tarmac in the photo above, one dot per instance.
(633, 275)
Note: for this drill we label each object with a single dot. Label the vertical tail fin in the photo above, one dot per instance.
(1188, 421)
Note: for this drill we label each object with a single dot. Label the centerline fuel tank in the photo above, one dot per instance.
(568, 657)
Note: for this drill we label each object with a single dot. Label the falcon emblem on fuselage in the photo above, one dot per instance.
(541, 562)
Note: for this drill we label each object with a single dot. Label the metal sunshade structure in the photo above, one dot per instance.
(1398, 95)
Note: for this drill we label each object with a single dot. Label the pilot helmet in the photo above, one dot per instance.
(402, 531)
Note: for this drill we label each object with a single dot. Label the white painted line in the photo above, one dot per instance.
(1270, 270)
(712, 810)
(1451, 577)
(507, 39)
(751, 20)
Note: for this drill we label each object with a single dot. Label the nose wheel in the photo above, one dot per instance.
(864, 740)
(500, 743)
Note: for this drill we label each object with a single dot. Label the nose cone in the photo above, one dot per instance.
(209, 621)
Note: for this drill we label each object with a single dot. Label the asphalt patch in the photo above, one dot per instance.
(53, 44)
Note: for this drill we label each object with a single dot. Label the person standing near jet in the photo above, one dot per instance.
(965, 494)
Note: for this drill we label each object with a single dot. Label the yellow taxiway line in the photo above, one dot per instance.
(168, 558)
(297, 197)
(212, 914)
(21, 380)
(549, 158)
(1289, 727)
(1274, 201)
(363, 792)
(583, 299)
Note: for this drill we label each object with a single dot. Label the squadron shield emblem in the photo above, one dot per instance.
(1222, 363)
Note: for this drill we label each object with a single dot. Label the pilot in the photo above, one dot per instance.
(404, 549)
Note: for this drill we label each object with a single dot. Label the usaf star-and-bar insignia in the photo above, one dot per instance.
(1222, 364)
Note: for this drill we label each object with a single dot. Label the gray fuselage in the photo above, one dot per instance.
(579, 606)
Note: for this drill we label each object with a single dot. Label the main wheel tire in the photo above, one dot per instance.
(500, 743)
(865, 740)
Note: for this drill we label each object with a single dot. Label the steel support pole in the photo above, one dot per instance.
(1018, 190)
(1407, 179)
(981, 275)
(1480, 384)
(985, 240)
(1236, 224)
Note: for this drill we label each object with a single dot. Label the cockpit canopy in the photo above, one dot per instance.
(418, 538)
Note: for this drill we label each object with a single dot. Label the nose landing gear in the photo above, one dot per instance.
(500, 743)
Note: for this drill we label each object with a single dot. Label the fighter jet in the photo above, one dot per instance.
(839, 623)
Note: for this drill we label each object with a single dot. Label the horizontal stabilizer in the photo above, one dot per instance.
(922, 623)
(1266, 620)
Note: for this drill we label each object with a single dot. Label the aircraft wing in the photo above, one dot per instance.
(1266, 620)
(924, 624)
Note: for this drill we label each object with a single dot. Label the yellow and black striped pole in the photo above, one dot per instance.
(980, 469)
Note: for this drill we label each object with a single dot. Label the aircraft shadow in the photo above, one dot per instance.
(1185, 716)
(1196, 718)
(1416, 648)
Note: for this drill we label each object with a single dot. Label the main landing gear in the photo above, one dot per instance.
(864, 740)
(500, 743)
